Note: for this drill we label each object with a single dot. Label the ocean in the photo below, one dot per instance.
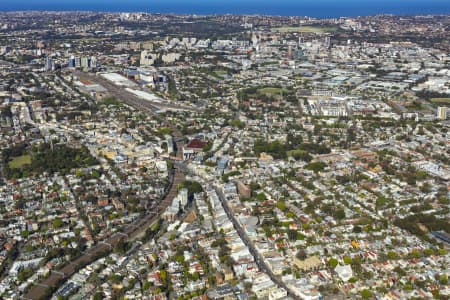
(313, 8)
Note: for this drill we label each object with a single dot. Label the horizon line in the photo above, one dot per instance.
(218, 14)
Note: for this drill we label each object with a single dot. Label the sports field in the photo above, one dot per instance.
(306, 29)
(20, 161)
(441, 100)
(270, 90)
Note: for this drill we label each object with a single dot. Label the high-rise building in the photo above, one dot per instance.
(85, 62)
(82, 62)
(77, 62)
(301, 40)
(93, 62)
(255, 39)
(147, 58)
(71, 63)
(299, 54)
(327, 42)
(289, 52)
(442, 112)
(49, 64)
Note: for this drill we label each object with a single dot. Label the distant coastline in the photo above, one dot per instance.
(317, 9)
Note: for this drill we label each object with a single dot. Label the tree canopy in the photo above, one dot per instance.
(294, 147)
(45, 158)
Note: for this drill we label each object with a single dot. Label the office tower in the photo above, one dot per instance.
(71, 63)
(85, 62)
(93, 62)
(49, 64)
(301, 40)
(442, 112)
(327, 41)
(289, 52)
(77, 62)
(255, 39)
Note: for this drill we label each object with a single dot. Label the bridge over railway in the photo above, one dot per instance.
(130, 232)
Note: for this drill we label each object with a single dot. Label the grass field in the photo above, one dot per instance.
(220, 73)
(306, 29)
(270, 90)
(20, 161)
(441, 100)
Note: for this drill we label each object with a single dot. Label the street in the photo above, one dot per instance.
(258, 258)
(130, 232)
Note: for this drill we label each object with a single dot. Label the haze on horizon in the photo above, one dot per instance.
(314, 8)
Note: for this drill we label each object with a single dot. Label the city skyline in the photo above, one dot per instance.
(319, 8)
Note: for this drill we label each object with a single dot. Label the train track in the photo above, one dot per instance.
(131, 99)
(47, 286)
(120, 91)
(131, 231)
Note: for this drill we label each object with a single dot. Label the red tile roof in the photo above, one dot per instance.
(196, 144)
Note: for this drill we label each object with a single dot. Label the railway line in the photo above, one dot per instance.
(130, 232)
(131, 98)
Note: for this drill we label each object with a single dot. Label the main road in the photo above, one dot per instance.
(47, 286)
(258, 257)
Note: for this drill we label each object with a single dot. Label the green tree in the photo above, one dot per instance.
(381, 201)
(316, 166)
(98, 296)
(300, 155)
(261, 197)
(340, 214)
(332, 263)
(24, 274)
(146, 286)
(392, 255)
(193, 187)
(347, 260)
(57, 223)
(237, 123)
(357, 229)
(281, 205)
(163, 275)
(195, 276)
(366, 294)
